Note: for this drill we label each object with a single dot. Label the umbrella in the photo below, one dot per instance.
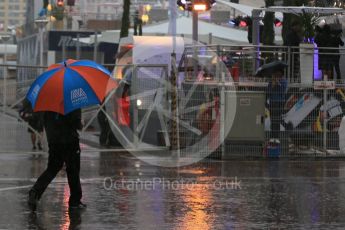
(70, 85)
(268, 69)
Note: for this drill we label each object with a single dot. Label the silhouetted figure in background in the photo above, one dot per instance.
(249, 22)
(138, 24)
(35, 122)
(322, 39)
(121, 110)
(336, 41)
(293, 39)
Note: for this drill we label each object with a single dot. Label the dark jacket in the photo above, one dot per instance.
(292, 39)
(335, 42)
(62, 129)
(277, 93)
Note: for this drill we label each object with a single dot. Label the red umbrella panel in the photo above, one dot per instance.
(70, 85)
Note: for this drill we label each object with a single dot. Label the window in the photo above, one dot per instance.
(13, 14)
(13, 22)
(13, 7)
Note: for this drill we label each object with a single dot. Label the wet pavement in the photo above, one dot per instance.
(124, 193)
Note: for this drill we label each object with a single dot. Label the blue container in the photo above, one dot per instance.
(273, 151)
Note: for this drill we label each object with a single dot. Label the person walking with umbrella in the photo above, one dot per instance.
(63, 143)
(276, 93)
(61, 92)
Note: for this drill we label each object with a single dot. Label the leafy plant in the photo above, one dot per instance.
(268, 30)
(309, 21)
(289, 18)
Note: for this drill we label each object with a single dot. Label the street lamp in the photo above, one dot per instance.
(148, 8)
(49, 7)
(4, 39)
(145, 18)
(41, 24)
(195, 6)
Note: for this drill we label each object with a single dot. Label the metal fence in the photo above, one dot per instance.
(307, 63)
(305, 122)
(223, 109)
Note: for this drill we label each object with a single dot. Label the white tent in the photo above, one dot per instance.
(247, 10)
(185, 24)
(305, 9)
(220, 34)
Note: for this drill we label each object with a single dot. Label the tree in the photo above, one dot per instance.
(268, 30)
(289, 18)
(309, 22)
(267, 37)
(324, 3)
(125, 19)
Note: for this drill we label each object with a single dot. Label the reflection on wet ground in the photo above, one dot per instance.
(125, 193)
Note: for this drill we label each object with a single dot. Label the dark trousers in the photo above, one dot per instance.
(276, 111)
(337, 70)
(294, 66)
(58, 155)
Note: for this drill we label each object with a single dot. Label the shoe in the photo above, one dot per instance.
(34, 148)
(80, 205)
(33, 199)
(39, 146)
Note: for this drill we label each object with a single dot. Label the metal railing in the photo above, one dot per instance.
(242, 61)
(308, 118)
(306, 121)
